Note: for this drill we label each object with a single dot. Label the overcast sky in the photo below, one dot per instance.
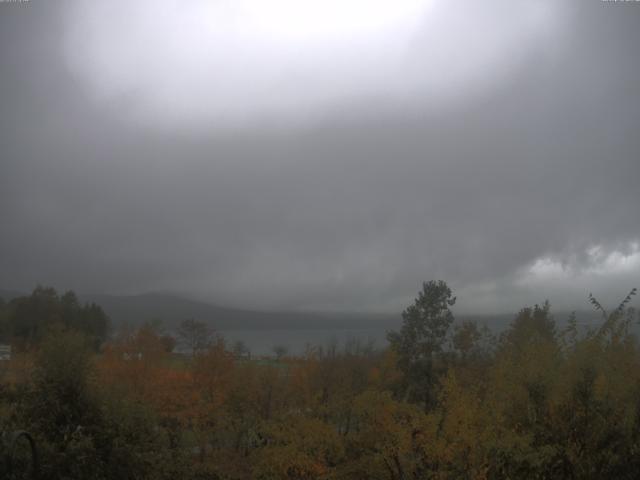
(322, 155)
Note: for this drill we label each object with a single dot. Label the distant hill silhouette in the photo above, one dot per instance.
(171, 310)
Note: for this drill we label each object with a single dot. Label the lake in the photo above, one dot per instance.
(261, 342)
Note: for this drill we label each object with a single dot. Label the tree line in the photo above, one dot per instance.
(27, 319)
(444, 400)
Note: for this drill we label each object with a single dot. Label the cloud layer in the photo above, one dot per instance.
(238, 62)
(494, 146)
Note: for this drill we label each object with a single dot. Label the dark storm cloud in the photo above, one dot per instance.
(504, 191)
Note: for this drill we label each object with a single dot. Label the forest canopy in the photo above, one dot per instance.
(27, 319)
(445, 400)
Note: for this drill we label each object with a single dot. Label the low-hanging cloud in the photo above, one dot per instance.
(492, 144)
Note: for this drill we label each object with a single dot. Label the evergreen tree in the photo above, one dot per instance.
(422, 337)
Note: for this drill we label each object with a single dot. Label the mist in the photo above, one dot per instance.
(330, 157)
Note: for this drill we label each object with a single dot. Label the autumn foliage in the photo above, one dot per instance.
(540, 400)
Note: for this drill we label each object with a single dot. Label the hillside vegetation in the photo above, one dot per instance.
(444, 401)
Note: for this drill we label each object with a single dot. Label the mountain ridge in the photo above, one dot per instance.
(171, 309)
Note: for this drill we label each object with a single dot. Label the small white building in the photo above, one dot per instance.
(5, 352)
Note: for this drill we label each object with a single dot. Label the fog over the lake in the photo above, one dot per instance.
(322, 155)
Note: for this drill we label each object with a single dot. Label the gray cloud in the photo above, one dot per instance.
(500, 177)
(238, 63)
